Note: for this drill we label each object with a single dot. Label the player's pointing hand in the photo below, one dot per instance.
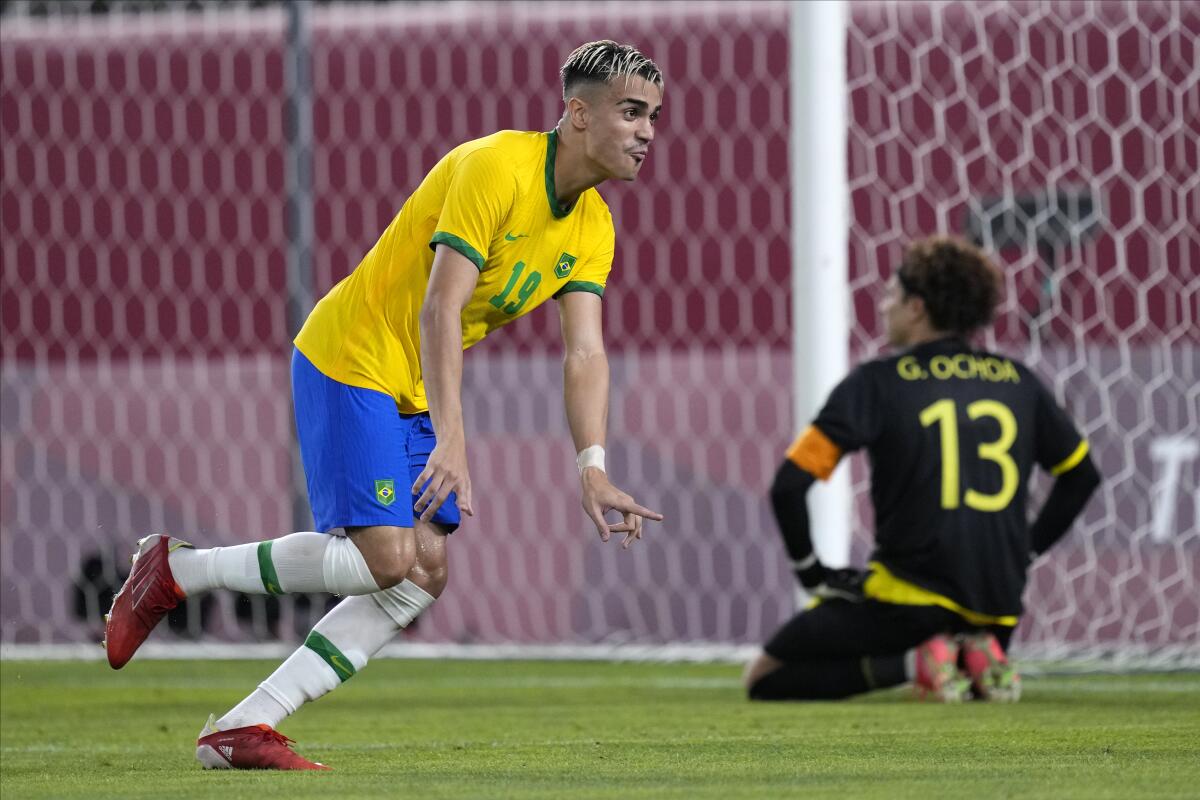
(600, 497)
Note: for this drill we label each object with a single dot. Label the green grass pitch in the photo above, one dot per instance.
(427, 729)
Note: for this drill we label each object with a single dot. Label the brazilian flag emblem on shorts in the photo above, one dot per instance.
(566, 263)
(385, 492)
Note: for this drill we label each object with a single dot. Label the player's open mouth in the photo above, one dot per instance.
(638, 157)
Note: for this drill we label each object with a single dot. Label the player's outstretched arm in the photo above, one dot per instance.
(451, 282)
(1070, 494)
(789, 501)
(585, 387)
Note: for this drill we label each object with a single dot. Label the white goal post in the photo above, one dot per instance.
(820, 229)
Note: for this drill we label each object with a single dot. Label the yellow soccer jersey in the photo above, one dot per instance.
(491, 199)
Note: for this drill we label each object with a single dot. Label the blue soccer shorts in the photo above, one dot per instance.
(361, 456)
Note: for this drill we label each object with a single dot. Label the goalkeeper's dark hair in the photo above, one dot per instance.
(603, 61)
(959, 284)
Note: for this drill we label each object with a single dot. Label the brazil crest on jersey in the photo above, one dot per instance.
(952, 434)
(491, 199)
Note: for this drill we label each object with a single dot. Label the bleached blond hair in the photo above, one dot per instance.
(602, 62)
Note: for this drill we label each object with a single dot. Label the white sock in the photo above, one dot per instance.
(233, 568)
(339, 646)
(910, 665)
(298, 562)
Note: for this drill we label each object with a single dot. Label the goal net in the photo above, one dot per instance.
(149, 179)
(1058, 135)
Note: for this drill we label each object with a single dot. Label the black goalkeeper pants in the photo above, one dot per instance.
(839, 648)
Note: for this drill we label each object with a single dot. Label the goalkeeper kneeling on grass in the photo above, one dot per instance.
(953, 433)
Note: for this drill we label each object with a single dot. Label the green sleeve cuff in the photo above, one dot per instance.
(459, 244)
(580, 286)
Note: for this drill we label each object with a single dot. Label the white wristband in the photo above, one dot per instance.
(590, 457)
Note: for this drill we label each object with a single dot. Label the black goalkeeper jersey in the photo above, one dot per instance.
(952, 434)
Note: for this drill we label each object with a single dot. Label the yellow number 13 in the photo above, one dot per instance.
(944, 412)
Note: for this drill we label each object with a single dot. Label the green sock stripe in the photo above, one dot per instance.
(266, 569)
(333, 657)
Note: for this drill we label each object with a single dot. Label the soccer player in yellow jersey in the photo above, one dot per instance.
(500, 225)
(953, 434)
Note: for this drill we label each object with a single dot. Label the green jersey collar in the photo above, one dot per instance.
(551, 150)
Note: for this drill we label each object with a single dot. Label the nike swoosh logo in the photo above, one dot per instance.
(508, 237)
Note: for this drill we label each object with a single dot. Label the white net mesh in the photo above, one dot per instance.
(1060, 135)
(144, 353)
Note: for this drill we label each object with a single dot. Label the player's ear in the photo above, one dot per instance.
(577, 112)
(910, 305)
(916, 307)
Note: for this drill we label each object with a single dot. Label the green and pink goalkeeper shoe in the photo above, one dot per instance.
(148, 594)
(992, 676)
(936, 675)
(252, 747)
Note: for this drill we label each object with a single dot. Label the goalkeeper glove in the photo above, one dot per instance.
(831, 584)
(842, 584)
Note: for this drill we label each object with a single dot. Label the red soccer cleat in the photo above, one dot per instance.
(992, 676)
(148, 594)
(252, 747)
(937, 675)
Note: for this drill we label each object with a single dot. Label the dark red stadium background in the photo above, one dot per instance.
(700, 260)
